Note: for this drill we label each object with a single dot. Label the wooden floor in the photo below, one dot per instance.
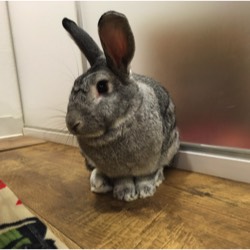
(188, 210)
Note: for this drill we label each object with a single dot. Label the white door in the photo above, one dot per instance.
(11, 119)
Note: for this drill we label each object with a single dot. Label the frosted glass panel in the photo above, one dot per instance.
(206, 65)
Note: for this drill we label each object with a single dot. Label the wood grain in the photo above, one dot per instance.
(189, 210)
(18, 142)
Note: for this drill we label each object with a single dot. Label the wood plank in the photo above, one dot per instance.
(18, 142)
(189, 210)
(67, 242)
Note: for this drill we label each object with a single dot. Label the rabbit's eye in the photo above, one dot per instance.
(102, 87)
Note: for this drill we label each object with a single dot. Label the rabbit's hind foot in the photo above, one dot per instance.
(124, 189)
(99, 183)
(146, 185)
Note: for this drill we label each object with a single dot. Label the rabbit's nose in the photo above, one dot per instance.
(75, 126)
(73, 123)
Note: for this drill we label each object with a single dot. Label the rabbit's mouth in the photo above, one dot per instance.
(94, 135)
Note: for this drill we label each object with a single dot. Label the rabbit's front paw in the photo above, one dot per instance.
(99, 183)
(124, 189)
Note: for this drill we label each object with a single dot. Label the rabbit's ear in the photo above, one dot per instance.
(83, 40)
(117, 40)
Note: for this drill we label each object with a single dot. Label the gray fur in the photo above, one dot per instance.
(127, 134)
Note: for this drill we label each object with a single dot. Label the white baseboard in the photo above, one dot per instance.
(233, 168)
(10, 126)
(54, 136)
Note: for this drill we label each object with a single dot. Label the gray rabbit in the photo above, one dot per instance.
(124, 122)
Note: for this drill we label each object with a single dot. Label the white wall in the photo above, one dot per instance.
(188, 46)
(47, 60)
(10, 107)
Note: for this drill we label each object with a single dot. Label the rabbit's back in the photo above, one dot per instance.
(166, 109)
